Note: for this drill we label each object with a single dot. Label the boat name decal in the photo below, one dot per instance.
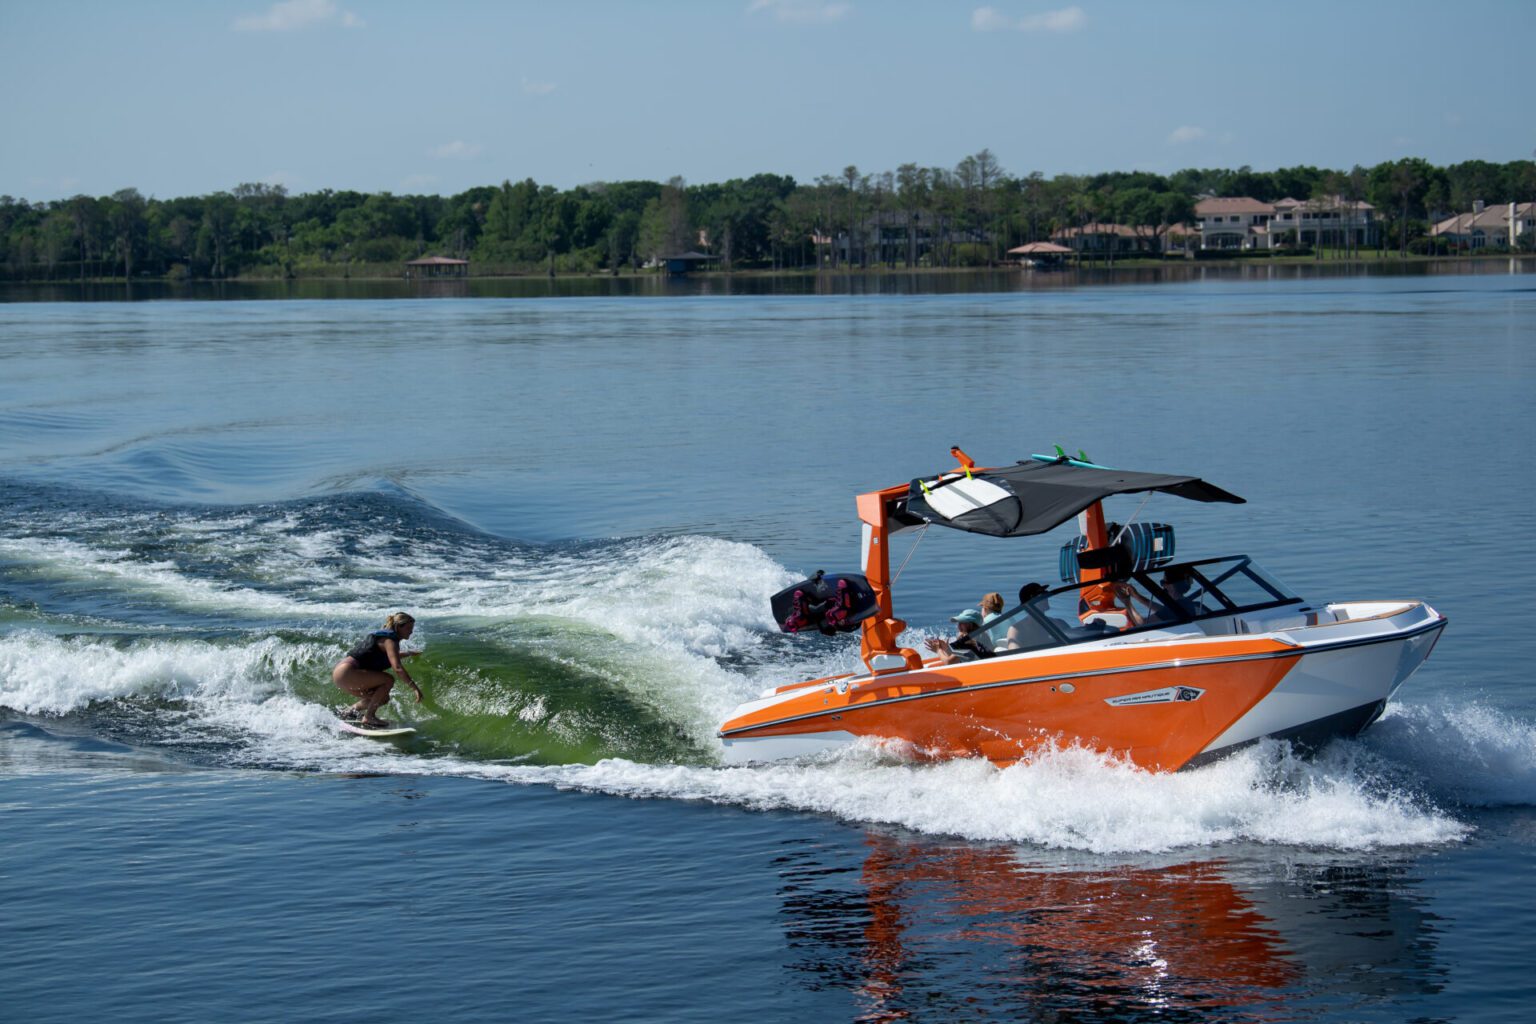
(1167, 695)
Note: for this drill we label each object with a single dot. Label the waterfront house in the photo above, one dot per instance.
(1485, 226)
(1099, 238)
(1241, 222)
(1180, 237)
(895, 235)
(1233, 222)
(1325, 220)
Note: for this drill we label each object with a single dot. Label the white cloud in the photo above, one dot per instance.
(1186, 133)
(802, 10)
(537, 88)
(989, 19)
(1067, 19)
(458, 149)
(290, 15)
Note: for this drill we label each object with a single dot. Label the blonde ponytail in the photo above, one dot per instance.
(398, 619)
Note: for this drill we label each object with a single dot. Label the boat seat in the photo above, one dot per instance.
(1223, 626)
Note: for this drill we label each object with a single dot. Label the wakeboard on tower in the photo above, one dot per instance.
(830, 604)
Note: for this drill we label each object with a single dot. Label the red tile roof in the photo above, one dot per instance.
(1231, 204)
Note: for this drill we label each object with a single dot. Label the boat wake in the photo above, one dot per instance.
(206, 637)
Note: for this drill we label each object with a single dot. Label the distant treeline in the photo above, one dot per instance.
(967, 215)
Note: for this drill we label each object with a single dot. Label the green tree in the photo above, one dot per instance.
(1151, 213)
(217, 232)
(56, 238)
(86, 216)
(512, 213)
(125, 214)
(912, 199)
(1402, 185)
(1298, 182)
(665, 227)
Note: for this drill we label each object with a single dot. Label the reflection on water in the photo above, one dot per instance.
(875, 282)
(961, 932)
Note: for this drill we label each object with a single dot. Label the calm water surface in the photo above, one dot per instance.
(587, 499)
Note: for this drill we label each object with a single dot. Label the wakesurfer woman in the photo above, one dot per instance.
(363, 674)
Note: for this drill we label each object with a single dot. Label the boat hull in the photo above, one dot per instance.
(1162, 703)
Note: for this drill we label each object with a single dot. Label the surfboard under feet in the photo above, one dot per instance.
(383, 732)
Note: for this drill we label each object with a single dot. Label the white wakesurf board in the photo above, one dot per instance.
(383, 732)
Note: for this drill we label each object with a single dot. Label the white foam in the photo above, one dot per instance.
(282, 730)
(45, 674)
(1066, 800)
(1468, 754)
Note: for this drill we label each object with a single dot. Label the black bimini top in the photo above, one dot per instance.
(1033, 497)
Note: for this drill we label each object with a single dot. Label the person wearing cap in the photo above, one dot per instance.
(968, 646)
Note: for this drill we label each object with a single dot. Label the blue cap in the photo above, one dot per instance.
(970, 615)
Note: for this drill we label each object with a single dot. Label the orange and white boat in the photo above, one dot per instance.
(1169, 664)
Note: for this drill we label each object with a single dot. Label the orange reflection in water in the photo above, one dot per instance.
(1110, 941)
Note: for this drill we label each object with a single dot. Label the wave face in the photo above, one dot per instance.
(605, 666)
(232, 619)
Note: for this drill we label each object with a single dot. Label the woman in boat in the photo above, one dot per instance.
(968, 646)
(991, 607)
(362, 673)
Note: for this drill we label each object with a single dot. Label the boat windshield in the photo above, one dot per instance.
(1185, 592)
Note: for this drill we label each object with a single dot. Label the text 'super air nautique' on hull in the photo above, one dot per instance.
(1169, 664)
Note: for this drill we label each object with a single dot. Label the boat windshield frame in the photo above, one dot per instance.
(1032, 627)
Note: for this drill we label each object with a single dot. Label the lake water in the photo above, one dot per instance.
(586, 499)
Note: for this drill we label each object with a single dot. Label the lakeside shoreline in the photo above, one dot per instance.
(375, 273)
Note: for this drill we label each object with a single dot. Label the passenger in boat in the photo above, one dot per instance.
(362, 673)
(1027, 632)
(1115, 597)
(968, 646)
(991, 607)
(1178, 583)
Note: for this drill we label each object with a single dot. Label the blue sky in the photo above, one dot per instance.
(186, 97)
